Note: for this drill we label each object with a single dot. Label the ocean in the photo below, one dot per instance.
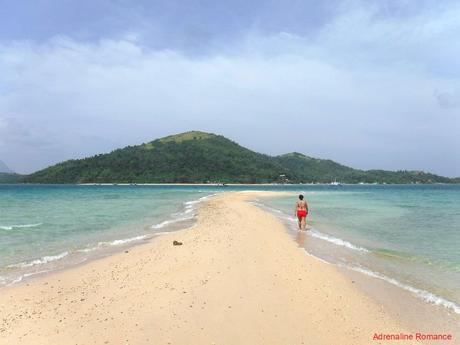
(47, 227)
(408, 235)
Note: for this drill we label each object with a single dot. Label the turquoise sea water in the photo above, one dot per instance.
(46, 227)
(407, 235)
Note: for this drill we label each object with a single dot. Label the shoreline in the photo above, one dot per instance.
(237, 264)
(429, 297)
(400, 301)
(24, 271)
(415, 307)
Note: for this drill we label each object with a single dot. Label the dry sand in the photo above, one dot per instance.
(238, 278)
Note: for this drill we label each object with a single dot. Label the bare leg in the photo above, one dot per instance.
(299, 223)
(304, 223)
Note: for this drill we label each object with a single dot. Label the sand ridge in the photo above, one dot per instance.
(238, 278)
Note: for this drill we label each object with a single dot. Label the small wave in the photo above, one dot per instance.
(278, 212)
(169, 222)
(336, 241)
(127, 240)
(188, 210)
(197, 201)
(313, 232)
(423, 294)
(187, 214)
(162, 224)
(192, 202)
(122, 241)
(112, 243)
(206, 197)
(87, 250)
(20, 226)
(41, 261)
(25, 275)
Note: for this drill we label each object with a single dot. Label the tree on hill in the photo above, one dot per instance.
(199, 157)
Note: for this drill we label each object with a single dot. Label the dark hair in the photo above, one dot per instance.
(301, 197)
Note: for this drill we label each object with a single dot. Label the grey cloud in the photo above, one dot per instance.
(188, 26)
(356, 85)
(15, 133)
(446, 100)
(89, 98)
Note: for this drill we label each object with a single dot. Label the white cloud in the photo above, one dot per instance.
(2, 123)
(364, 92)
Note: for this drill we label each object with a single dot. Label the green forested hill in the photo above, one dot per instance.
(203, 157)
(187, 157)
(10, 177)
(312, 169)
(324, 170)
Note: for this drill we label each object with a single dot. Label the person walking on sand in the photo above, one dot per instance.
(301, 212)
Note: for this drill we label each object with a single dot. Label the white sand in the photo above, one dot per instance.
(238, 278)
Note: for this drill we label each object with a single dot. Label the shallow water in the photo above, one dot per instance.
(406, 235)
(46, 227)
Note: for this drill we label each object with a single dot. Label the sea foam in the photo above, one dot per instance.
(20, 226)
(186, 214)
(420, 293)
(20, 278)
(423, 294)
(335, 240)
(313, 232)
(40, 261)
(118, 242)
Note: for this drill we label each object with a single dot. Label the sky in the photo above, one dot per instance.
(369, 84)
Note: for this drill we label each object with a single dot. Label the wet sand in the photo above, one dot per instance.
(237, 278)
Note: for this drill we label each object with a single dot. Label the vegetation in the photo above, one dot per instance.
(10, 178)
(195, 157)
(308, 169)
(188, 157)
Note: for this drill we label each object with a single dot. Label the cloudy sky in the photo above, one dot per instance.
(370, 84)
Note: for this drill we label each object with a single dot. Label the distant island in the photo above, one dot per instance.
(4, 168)
(7, 175)
(199, 157)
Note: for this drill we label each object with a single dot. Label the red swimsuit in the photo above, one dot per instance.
(301, 213)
